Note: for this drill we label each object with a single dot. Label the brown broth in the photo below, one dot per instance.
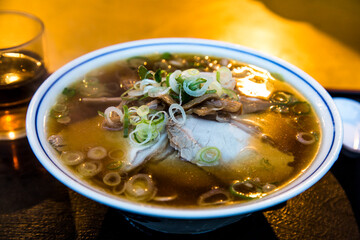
(180, 178)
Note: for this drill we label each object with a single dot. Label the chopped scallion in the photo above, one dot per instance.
(143, 110)
(114, 165)
(208, 156)
(69, 92)
(142, 71)
(166, 55)
(300, 108)
(126, 122)
(245, 190)
(218, 76)
(157, 76)
(101, 114)
(210, 91)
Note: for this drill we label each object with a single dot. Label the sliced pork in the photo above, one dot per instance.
(138, 155)
(239, 150)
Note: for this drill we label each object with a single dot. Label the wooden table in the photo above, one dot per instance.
(321, 37)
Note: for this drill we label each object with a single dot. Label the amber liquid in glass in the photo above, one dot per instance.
(21, 73)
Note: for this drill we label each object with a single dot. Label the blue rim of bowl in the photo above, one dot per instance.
(202, 43)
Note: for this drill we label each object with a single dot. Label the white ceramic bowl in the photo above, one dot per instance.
(185, 220)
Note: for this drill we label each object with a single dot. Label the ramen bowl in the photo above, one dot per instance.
(179, 219)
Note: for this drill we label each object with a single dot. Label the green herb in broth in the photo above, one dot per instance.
(146, 119)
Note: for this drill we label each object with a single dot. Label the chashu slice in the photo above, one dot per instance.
(242, 155)
(138, 155)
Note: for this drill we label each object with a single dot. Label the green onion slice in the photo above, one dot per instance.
(72, 157)
(173, 82)
(210, 91)
(112, 179)
(167, 80)
(218, 76)
(143, 110)
(175, 108)
(280, 108)
(300, 108)
(281, 97)
(245, 189)
(158, 120)
(157, 75)
(194, 85)
(208, 156)
(69, 92)
(230, 93)
(142, 72)
(213, 197)
(89, 169)
(143, 134)
(189, 87)
(59, 110)
(140, 187)
(97, 153)
(116, 154)
(126, 122)
(224, 77)
(166, 55)
(114, 165)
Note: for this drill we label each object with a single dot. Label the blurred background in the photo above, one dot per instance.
(321, 37)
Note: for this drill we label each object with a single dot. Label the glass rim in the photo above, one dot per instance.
(29, 16)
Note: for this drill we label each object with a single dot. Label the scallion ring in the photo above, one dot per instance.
(165, 198)
(89, 169)
(188, 85)
(305, 138)
(114, 165)
(143, 134)
(120, 188)
(174, 108)
(281, 97)
(108, 113)
(72, 157)
(214, 197)
(116, 154)
(97, 153)
(208, 156)
(143, 110)
(230, 93)
(126, 122)
(300, 108)
(140, 187)
(159, 121)
(112, 179)
(245, 190)
(173, 82)
(59, 110)
(224, 77)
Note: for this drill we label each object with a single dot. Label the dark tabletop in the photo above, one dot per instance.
(34, 205)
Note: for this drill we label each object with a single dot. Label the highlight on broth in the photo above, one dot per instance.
(184, 131)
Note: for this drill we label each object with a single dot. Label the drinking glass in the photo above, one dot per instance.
(22, 69)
